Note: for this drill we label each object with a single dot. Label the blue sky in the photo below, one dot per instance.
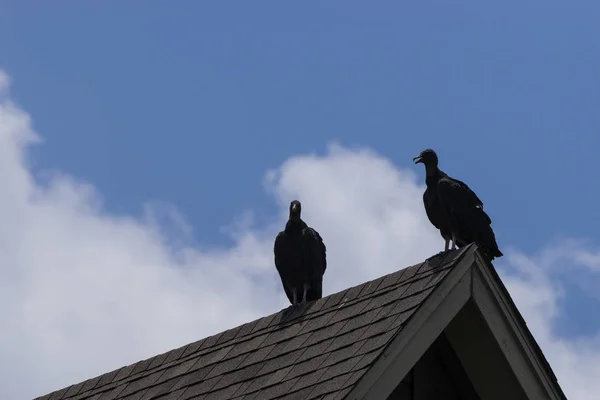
(215, 94)
(190, 103)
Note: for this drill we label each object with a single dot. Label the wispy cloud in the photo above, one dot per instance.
(84, 291)
(537, 285)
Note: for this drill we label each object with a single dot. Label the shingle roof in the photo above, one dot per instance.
(318, 350)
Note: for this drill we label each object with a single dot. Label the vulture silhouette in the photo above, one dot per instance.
(300, 258)
(454, 209)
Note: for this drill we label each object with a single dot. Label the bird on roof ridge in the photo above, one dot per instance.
(454, 209)
(300, 258)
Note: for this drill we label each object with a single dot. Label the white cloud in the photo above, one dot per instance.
(84, 291)
(537, 285)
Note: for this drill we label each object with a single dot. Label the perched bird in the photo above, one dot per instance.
(300, 258)
(455, 209)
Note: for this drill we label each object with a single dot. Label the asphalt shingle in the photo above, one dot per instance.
(317, 350)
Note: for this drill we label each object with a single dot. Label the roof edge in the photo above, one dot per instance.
(490, 292)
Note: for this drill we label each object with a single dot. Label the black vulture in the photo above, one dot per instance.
(455, 209)
(300, 258)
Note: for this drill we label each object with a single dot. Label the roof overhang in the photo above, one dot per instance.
(490, 337)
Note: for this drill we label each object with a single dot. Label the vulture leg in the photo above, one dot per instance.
(304, 293)
(447, 245)
(294, 296)
(453, 241)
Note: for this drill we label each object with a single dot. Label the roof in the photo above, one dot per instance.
(317, 350)
(355, 344)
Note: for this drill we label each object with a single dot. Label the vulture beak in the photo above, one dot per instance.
(418, 159)
(294, 207)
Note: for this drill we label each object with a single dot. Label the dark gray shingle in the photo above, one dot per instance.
(317, 350)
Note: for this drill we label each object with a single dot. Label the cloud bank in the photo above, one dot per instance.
(84, 291)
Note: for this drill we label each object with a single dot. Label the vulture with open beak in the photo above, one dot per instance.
(455, 209)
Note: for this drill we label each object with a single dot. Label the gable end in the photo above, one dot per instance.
(503, 355)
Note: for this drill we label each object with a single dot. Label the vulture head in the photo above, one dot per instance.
(295, 209)
(427, 157)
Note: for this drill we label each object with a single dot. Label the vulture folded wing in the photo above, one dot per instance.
(469, 220)
(429, 203)
(459, 200)
(282, 254)
(317, 261)
(320, 248)
(468, 190)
